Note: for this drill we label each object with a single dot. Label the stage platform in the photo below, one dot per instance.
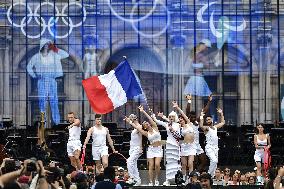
(184, 187)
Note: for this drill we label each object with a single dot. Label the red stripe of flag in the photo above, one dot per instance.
(97, 95)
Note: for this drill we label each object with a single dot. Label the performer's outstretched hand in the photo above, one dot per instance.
(202, 114)
(188, 97)
(141, 109)
(210, 97)
(175, 105)
(52, 47)
(127, 119)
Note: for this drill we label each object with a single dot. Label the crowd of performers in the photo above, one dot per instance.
(182, 146)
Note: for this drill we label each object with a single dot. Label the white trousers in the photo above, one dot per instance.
(172, 160)
(134, 154)
(212, 153)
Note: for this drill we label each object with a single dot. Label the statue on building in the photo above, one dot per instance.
(91, 67)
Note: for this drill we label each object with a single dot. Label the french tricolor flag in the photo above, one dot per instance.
(109, 91)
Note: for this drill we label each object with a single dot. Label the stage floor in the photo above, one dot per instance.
(213, 187)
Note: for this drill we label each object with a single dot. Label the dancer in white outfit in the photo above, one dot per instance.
(74, 141)
(200, 158)
(172, 146)
(99, 134)
(135, 151)
(210, 132)
(261, 141)
(187, 144)
(154, 151)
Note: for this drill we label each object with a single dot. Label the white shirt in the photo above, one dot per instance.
(99, 136)
(154, 137)
(75, 133)
(136, 139)
(176, 128)
(212, 137)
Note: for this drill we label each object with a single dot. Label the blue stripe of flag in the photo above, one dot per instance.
(127, 79)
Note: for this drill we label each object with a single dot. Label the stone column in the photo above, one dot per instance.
(264, 85)
(244, 104)
(1, 85)
(264, 39)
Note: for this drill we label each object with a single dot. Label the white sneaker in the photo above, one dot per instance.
(138, 183)
(150, 184)
(157, 183)
(166, 183)
(131, 181)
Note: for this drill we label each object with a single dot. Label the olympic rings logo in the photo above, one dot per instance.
(133, 20)
(42, 22)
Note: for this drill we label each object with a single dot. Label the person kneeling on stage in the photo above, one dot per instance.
(74, 144)
(210, 131)
(99, 134)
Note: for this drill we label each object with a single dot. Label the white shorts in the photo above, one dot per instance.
(199, 150)
(72, 146)
(187, 149)
(259, 156)
(154, 151)
(99, 151)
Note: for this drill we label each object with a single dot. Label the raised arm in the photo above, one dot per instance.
(175, 105)
(152, 122)
(161, 115)
(89, 133)
(164, 124)
(110, 142)
(136, 126)
(206, 108)
(204, 128)
(222, 119)
(187, 111)
(76, 123)
(12, 176)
